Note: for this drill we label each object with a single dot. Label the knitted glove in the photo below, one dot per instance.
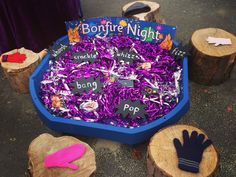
(136, 8)
(63, 157)
(190, 153)
(15, 57)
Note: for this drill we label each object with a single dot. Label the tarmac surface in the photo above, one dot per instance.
(212, 109)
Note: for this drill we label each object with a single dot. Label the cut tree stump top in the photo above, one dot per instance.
(46, 144)
(143, 16)
(199, 41)
(31, 57)
(161, 150)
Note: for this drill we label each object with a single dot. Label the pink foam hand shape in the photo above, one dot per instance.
(63, 157)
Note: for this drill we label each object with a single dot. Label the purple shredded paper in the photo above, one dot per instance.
(164, 75)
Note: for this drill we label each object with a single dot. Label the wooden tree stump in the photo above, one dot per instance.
(153, 15)
(209, 64)
(18, 73)
(162, 158)
(47, 144)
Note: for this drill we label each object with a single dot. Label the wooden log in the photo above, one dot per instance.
(18, 73)
(209, 64)
(153, 15)
(47, 144)
(162, 158)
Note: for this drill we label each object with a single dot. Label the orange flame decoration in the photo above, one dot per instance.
(56, 101)
(73, 34)
(166, 43)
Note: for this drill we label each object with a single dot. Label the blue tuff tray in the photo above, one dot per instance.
(98, 130)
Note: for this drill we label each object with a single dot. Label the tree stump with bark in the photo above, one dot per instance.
(46, 144)
(162, 158)
(18, 73)
(143, 13)
(210, 64)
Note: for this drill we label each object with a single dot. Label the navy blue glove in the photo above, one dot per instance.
(190, 153)
(136, 8)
